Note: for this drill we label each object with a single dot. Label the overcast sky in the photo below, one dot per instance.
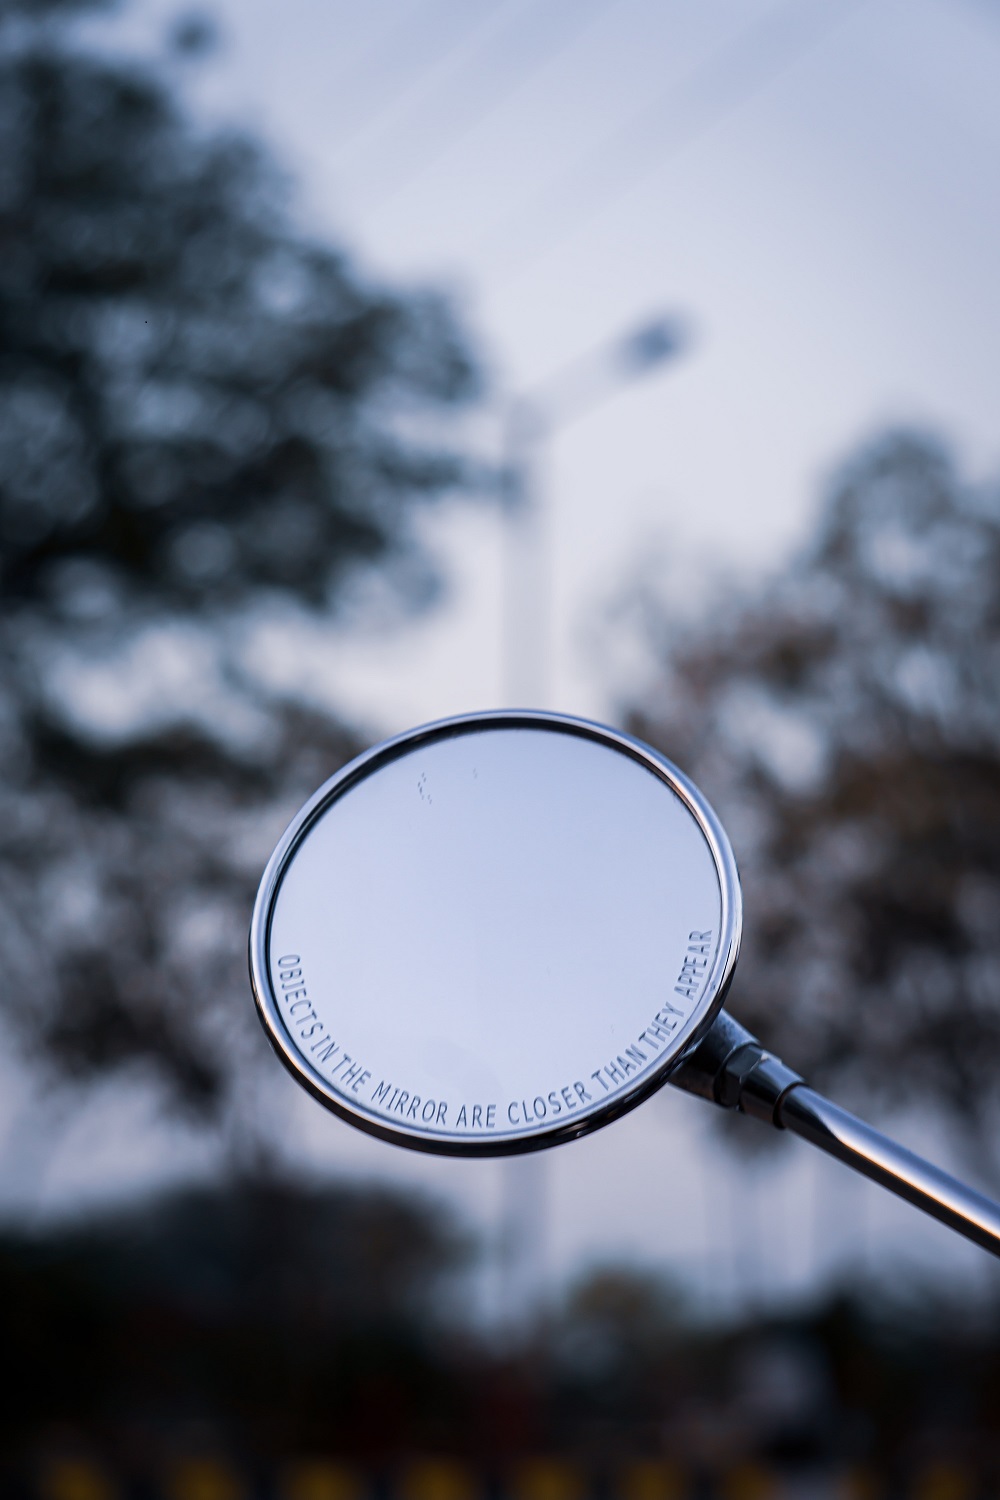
(814, 187)
(812, 184)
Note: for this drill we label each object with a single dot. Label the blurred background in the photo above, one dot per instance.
(365, 364)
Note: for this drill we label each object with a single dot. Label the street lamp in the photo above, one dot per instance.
(530, 421)
(572, 393)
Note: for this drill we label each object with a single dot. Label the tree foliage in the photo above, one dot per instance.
(279, 1314)
(202, 413)
(845, 721)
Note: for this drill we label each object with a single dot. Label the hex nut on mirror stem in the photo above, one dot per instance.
(502, 931)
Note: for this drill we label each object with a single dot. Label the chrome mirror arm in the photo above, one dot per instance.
(731, 1068)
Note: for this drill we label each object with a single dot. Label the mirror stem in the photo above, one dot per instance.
(730, 1068)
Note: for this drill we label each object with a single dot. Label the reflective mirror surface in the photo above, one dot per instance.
(495, 933)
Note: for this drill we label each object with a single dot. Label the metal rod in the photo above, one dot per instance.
(850, 1140)
(730, 1068)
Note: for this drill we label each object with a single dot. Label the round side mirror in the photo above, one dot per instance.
(495, 933)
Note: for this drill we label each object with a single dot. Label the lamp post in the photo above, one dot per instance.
(531, 420)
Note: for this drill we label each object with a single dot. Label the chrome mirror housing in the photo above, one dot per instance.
(495, 933)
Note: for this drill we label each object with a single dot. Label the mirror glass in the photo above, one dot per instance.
(495, 933)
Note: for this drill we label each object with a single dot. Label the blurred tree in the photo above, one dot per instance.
(271, 1309)
(846, 724)
(203, 415)
(614, 1344)
(267, 1321)
(614, 1325)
